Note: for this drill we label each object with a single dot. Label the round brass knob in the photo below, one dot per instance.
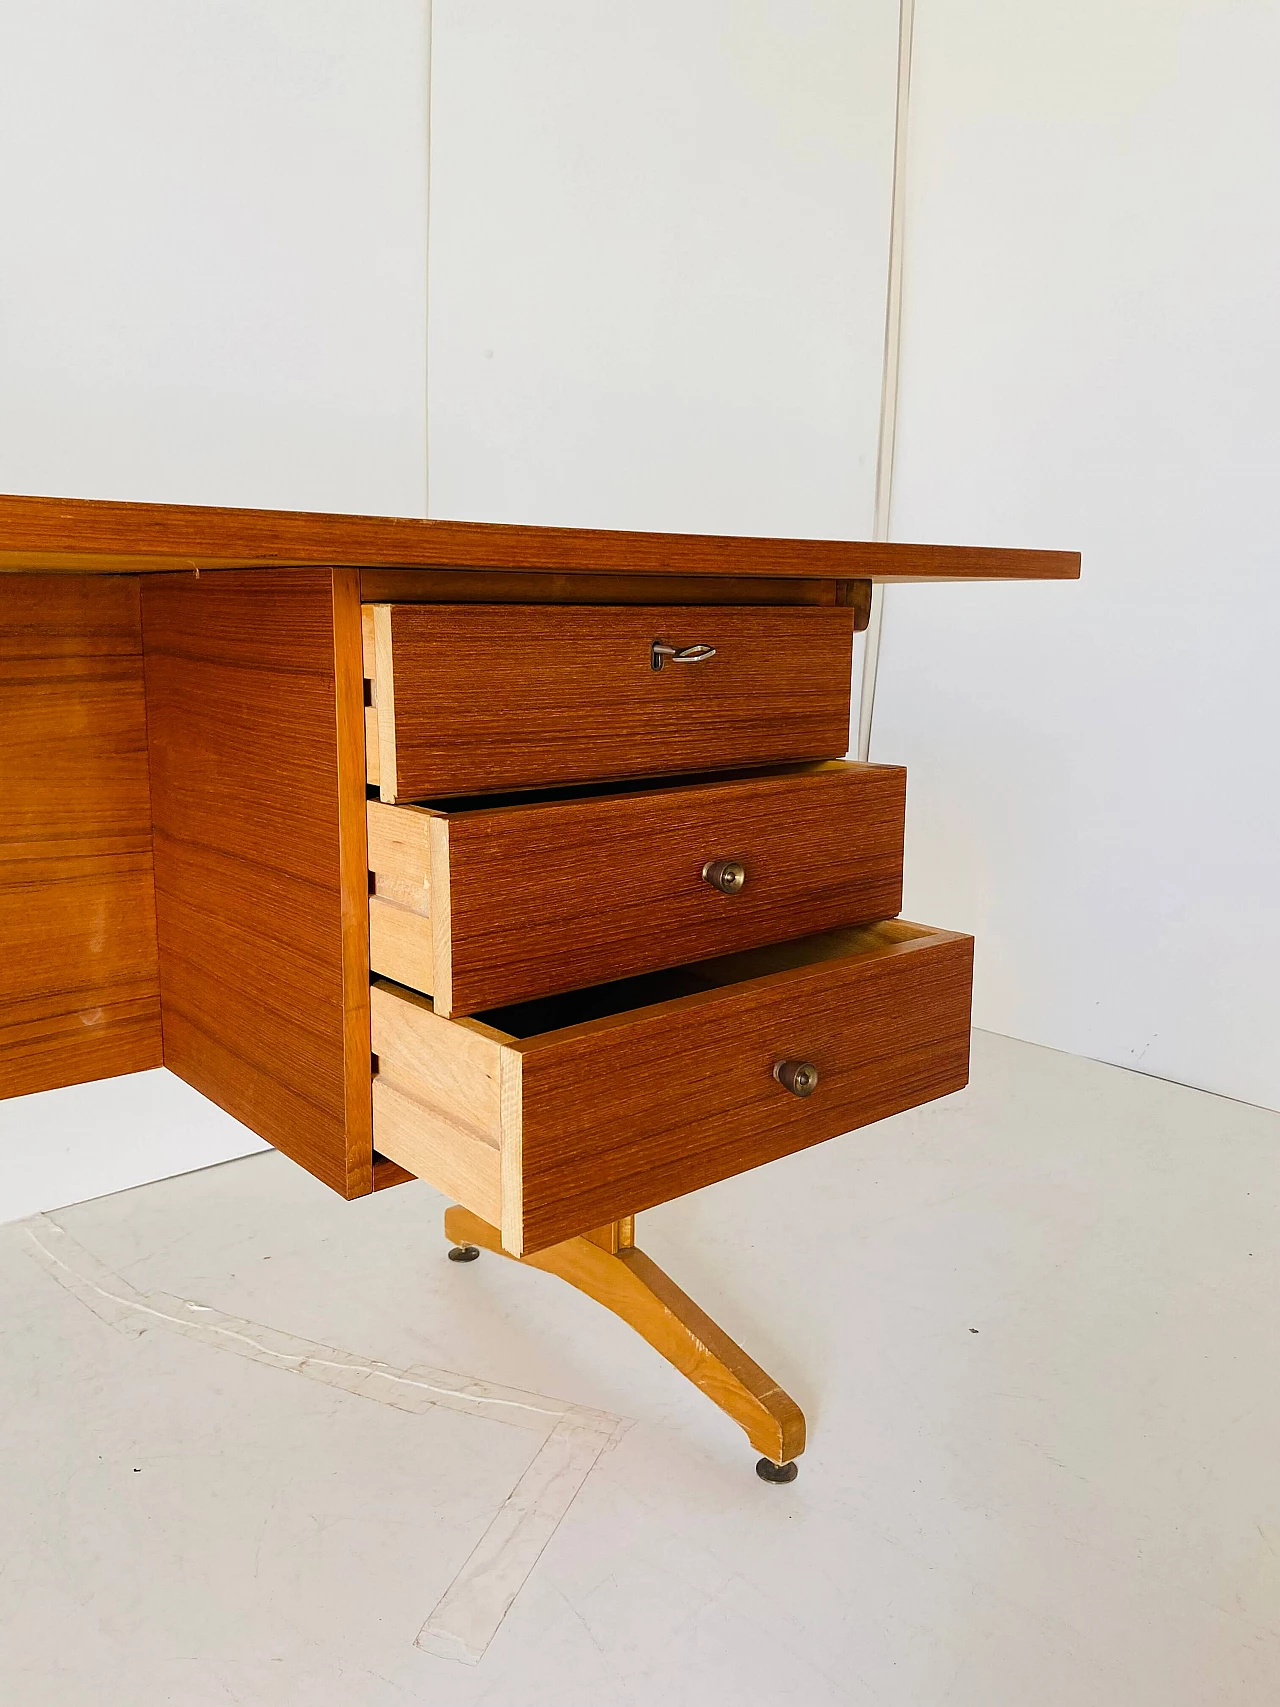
(726, 875)
(800, 1077)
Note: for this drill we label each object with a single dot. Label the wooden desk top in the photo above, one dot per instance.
(84, 536)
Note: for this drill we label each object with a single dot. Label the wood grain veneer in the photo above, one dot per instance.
(79, 989)
(567, 892)
(537, 587)
(489, 697)
(353, 873)
(85, 535)
(261, 876)
(629, 1111)
(387, 1173)
(612, 1100)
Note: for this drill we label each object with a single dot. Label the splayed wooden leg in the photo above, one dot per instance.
(606, 1265)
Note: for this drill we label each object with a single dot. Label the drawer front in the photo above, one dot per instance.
(478, 698)
(533, 899)
(569, 1127)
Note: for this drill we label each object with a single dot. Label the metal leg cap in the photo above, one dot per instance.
(768, 1471)
(463, 1253)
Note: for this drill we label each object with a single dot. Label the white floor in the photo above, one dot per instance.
(1036, 1329)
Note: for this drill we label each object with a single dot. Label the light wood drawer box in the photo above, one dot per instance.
(478, 698)
(559, 1115)
(478, 904)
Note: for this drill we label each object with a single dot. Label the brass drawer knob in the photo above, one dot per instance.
(726, 875)
(697, 654)
(800, 1077)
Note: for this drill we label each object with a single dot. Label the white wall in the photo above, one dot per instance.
(658, 255)
(214, 250)
(1091, 360)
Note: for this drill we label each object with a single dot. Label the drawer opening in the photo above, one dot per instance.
(523, 1020)
(623, 787)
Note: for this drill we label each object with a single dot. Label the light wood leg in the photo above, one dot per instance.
(606, 1265)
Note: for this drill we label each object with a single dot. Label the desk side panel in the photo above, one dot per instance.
(259, 975)
(79, 984)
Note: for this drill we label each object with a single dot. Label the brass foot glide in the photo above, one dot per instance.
(606, 1265)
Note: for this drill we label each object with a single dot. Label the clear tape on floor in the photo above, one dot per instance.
(468, 1614)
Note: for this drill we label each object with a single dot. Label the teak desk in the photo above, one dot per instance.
(524, 860)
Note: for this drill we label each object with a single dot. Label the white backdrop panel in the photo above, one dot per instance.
(658, 252)
(1090, 359)
(214, 217)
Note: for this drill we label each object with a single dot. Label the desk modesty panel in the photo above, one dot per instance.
(79, 974)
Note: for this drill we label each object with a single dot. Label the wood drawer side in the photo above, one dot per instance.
(438, 1098)
(401, 923)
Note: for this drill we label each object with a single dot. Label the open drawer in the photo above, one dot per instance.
(558, 1115)
(483, 902)
(480, 698)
